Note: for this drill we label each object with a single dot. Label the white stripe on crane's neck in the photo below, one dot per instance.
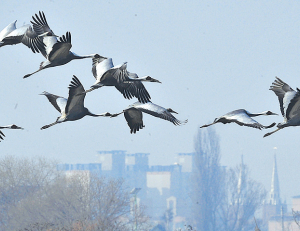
(104, 66)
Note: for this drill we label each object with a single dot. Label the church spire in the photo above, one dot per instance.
(275, 191)
(241, 181)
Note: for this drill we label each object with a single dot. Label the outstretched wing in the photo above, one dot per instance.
(40, 27)
(75, 103)
(134, 119)
(57, 101)
(243, 119)
(61, 48)
(158, 111)
(128, 87)
(284, 92)
(25, 35)
(40, 24)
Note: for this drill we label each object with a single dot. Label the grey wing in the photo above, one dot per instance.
(15, 37)
(244, 120)
(160, 112)
(130, 88)
(134, 89)
(55, 100)
(40, 24)
(76, 97)
(134, 119)
(61, 48)
(280, 88)
(31, 40)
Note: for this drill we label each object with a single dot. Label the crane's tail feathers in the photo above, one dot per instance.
(270, 126)
(270, 133)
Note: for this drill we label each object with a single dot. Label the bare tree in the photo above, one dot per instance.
(223, 199)
(242, 198)
(296, 216)
(20, 177)
(207, 178)
(35, 196)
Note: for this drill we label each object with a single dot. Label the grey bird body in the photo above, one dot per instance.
(134, 115)
(289, 101)
(129, 84)
(71, 109)
(242, 118)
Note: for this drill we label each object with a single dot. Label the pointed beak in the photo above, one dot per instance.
(155, 80)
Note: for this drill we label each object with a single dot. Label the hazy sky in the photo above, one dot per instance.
(212, 57)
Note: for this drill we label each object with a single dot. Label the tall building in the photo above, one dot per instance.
(163, 188)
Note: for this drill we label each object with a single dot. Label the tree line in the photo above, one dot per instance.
(35, 196)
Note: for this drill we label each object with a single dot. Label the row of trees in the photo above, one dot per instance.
(224, 199)
(35, 196)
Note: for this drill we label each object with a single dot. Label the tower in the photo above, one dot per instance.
(275, 190)
(242, 181)
(274, 206)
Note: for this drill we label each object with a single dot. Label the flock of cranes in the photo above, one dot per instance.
(40, 38)
(57, 50)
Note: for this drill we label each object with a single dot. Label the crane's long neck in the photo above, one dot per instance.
(105, 114)
(144, 78)
(75, 56)
(256, 114)
(207, 125)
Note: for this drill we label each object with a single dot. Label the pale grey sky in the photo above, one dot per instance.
(212, 57)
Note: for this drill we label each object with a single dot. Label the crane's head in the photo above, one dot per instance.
(150, 79)
(270, 113)
(99, 58)
(15, 127)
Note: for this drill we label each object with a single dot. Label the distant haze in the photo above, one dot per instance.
(212, 57)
